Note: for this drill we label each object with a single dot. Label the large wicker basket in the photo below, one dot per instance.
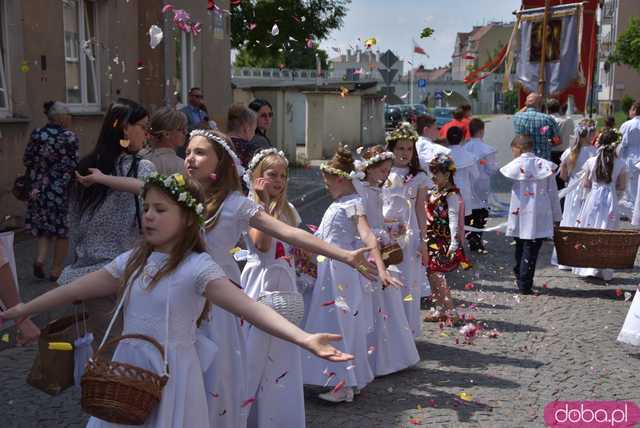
(118, 392)
(597, 248)
(289, 304)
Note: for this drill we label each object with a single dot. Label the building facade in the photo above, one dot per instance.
(87, 53)
(361, 65)
(615, 81)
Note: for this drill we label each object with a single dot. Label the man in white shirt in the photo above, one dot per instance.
(629, 152)
(426, 146)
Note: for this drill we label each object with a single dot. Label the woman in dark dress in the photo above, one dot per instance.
(50, 158)
(264, 114)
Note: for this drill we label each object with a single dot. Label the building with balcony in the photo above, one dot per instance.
(615, 81)
(87, 53)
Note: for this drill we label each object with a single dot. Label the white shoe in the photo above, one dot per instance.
(344, 395)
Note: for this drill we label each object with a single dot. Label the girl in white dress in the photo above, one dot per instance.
(606, 176)
(165, 282)
(274, 367)
(635, 221)
(221, 342)
(405, 194)
(572, 161)
(336, 302)
(391, 338)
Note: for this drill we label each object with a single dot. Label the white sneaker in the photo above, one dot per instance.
(344, 395)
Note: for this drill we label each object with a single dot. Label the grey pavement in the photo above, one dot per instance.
(557, 345)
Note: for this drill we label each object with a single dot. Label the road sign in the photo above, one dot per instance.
(388, 75)
(599, 88)
(422, 83)
(388, 90)
(388, 59)
(439, 95)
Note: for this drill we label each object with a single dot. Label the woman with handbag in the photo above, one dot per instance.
(50, 158)
(165, 282)
(391, 337)
(105, 223)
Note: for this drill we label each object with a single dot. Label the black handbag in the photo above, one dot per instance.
(22, 187)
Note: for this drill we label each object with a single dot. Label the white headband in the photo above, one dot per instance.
(380, 157)
(257, 158)
(215, 138)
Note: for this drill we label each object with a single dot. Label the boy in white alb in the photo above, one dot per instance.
(466, 167)
(481, 186)
(534, 207)
(426, 147)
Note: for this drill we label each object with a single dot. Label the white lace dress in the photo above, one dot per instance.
(338, 283)
(399, 196)
(392, 339)
(574, 199)
(226, 378)
(600, 210)
(170, 310)
(274, 366)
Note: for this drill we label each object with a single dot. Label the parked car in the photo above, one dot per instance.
(443, 115)
(408, 112)
(392, 116)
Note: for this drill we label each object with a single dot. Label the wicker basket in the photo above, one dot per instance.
(289, 304)
(596, 248)
(121, 393)
(391, 254)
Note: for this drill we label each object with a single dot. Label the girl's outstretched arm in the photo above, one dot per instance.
(96, 284)
(121, 184)
(301, 239)
(223, 293)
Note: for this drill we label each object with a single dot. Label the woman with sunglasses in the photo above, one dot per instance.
(264, 112)
(168, 132)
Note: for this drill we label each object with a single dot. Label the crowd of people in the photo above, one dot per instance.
(155, 240)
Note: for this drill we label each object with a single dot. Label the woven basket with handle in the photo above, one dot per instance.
(596, 248)
(391, 254)
(118, 392)
(289, 304)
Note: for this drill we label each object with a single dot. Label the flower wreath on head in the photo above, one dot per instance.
(611, 145)
(175, 185)
(404, 132)
(221, 141)
(362, 165)
(327, 169)
(442, 160)
(257, 158)
(585, 125)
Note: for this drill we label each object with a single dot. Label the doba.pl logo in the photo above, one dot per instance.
(591, 414)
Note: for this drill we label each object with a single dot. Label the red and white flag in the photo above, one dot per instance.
(418, 49)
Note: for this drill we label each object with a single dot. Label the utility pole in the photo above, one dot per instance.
(543, 53)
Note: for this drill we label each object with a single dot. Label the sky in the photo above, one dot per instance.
(395, 22)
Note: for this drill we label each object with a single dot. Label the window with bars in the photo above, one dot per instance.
(80, 45)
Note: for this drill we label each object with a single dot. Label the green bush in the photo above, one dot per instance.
(626, 103)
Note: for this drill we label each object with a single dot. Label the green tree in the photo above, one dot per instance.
(301, 23)
(627, 50)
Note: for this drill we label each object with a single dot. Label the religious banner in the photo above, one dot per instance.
(562, 48)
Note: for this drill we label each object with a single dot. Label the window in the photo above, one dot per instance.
(184, 65)
(4, 95)
(80, 42)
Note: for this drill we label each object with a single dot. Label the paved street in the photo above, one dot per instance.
(558, 345)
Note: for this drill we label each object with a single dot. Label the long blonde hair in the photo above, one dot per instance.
(227, 182)
(584, 128)
(191, 240)
(278, 208)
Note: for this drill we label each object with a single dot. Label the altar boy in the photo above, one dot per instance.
(534, 207)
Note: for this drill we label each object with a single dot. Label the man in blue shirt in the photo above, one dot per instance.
(196, 117)
(541, 127)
